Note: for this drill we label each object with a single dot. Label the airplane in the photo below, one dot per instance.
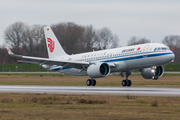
(147, 58)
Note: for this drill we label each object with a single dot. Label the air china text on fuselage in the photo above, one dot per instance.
(128, 50)
(147, 58)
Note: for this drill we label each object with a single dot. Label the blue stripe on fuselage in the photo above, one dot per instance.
(131, 57)
(120, 58)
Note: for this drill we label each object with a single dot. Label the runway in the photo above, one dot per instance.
(136, 91)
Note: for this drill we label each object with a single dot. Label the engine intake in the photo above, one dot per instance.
(98, 70)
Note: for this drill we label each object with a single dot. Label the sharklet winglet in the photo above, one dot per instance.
(11, 53)
(9, 50)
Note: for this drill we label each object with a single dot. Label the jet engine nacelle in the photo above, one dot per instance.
(150, 73)
(98, 70)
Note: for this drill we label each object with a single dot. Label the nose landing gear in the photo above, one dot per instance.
(154, 77)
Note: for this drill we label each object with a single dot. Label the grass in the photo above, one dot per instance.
(73, 107)
(34, 74)
(172, 67)
(21, 68)
(64, 80)
(60, 74)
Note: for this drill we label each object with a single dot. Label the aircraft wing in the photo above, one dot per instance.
(47, 61)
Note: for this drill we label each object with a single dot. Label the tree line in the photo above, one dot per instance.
(29, 40)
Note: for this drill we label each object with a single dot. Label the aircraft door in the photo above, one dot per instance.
(110, 57)
(145, 50)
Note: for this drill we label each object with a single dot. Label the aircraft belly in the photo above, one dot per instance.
(119, 66)
(140, 63)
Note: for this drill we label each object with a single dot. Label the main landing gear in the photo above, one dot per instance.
(90, 82)
(126, 82)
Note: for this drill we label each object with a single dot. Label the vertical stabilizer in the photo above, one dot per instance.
(54, 48)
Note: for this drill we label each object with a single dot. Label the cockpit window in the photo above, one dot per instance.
(159, 49)
(164, 48)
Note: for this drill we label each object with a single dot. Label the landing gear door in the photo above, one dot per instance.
(145, 50)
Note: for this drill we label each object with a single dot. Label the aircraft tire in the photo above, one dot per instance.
(124, 83)
(155, 77)
(88, 82)
(93, 82)
(128, 83)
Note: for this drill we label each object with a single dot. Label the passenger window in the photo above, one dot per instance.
(155, 49)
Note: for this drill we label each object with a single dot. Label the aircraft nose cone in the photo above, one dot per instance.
(173, 57)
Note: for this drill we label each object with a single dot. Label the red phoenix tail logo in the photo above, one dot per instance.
(51, 44)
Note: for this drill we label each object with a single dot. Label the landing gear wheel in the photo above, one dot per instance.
(88, 82)
(93, 82)
(128, 83)
(155, 77)
(124, 83)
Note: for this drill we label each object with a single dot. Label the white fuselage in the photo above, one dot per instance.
(124, 59)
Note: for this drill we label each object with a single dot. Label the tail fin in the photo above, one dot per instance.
(54, 48)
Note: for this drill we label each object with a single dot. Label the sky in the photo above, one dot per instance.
(152, 19)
